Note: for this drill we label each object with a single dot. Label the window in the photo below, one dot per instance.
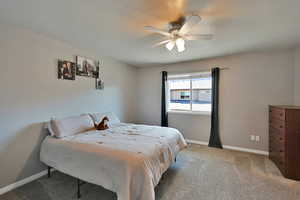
(189, 92)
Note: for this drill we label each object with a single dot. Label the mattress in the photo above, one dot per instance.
(128, 159)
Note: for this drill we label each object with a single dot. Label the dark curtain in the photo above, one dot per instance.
(214, 140)
(164, 113)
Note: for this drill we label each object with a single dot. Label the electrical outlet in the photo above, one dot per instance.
(257, 138)
(252, 137)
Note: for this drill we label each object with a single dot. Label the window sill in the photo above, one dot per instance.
(190, 112)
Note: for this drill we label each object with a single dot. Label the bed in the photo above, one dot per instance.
(128, 159)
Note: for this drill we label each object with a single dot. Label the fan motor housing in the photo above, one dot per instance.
(176, 25)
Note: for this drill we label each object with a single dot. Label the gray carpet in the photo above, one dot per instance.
(200, 173)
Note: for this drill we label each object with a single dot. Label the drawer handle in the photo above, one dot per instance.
(280, 151)
(280, 114)
(280, 138)
(281, 126)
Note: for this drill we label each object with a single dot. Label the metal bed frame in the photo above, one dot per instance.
(79, 183)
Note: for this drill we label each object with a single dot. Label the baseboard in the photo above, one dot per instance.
(196, 142)
(23, 182)
(232, 147)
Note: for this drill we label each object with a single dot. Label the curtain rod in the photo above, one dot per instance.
(195, 71)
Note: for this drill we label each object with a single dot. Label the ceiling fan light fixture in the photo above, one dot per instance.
(180, 43)
(180, 31)
(170, 45)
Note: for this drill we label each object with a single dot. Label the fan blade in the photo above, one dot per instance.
(162, 42)
(156, 30)
(189, 24)
(198, 36)
(170, 45)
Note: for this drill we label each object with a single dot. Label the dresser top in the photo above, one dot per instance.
(286, 106)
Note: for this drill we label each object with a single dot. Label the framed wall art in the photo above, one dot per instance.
(87, 67)
(66, 70)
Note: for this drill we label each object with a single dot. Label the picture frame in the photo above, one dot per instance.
(87, 67)
(66, 70)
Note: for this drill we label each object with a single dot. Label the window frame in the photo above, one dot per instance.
(190, 77)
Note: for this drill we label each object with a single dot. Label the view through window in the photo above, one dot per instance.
(190, 92)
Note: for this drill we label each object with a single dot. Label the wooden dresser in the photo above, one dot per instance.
(284, 139)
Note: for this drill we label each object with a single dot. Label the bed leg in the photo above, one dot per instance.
(49, 172)
(175, 159)
(78, 189)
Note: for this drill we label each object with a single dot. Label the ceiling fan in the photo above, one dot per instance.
(179, 31)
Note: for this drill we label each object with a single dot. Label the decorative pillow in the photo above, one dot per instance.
(113, 119)
(71, 125)
(103, 125)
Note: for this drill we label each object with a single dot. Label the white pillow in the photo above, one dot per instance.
(113, 119)
(70, 125)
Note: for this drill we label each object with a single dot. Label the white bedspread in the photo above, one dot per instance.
(128, 159)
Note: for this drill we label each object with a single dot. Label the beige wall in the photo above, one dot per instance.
(253, 81)
(297, 76)
(31, 94)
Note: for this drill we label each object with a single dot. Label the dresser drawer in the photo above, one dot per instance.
(278, 134)
(278, 124)
(276, 143)
(277, 153)
(277, 113)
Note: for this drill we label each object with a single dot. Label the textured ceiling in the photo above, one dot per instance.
(115, 27)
